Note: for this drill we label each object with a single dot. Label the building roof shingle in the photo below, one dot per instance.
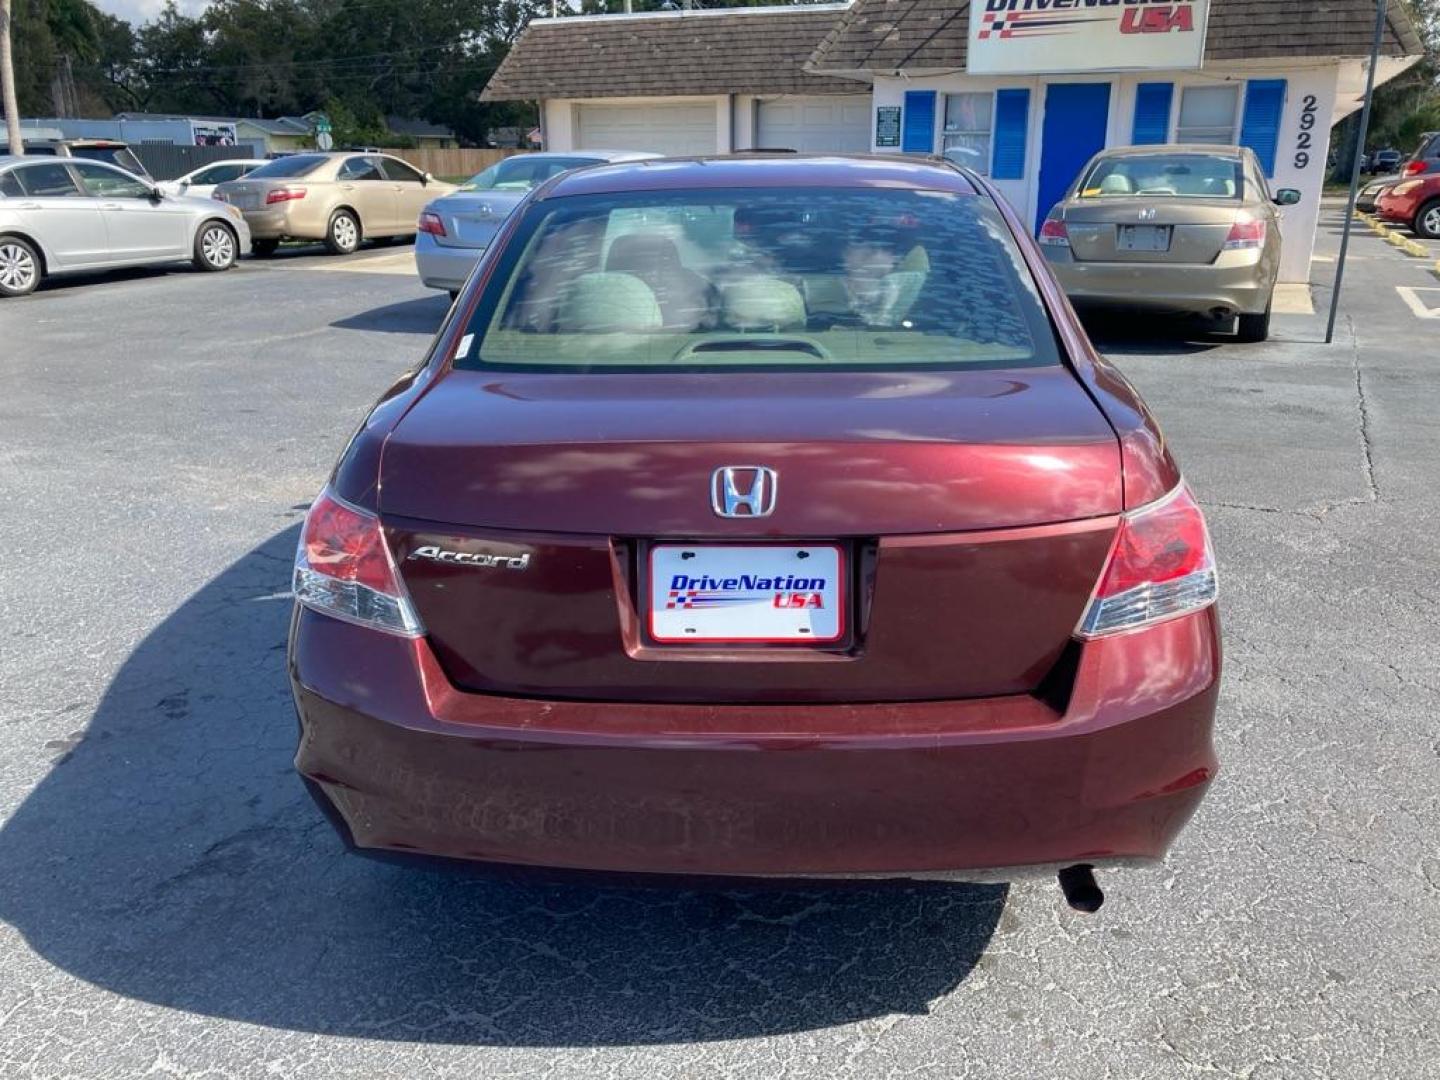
(744, 51)
(889, 35)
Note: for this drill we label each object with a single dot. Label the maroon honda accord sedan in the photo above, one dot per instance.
(760, 517)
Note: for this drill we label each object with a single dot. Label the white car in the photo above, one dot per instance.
(59, 215)
(201, 182)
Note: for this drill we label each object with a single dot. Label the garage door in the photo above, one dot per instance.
(661, 129)
(816, 124)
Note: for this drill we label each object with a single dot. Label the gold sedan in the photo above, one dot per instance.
(1186, 229)
(338, 198)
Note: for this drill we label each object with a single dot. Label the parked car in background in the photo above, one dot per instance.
(110, 151)
(762, 516)
(1387, 160)
(340, 198)
(58, 216)
(1415, 203)
(201, 182)
(1370, 194)
(1187, 229)
(455, 229)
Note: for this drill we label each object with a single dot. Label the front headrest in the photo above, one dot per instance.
(637, 252)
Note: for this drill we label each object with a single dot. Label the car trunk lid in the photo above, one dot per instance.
(1149, 230)
(973, 511)
(471, 219)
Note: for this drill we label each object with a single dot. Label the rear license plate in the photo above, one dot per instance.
(245, 201)
(1144, 238)
(746, 593)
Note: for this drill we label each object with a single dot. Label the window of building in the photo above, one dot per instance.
(969, 129)
(1207, 115)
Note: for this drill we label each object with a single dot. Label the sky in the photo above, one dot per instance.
(141, 10)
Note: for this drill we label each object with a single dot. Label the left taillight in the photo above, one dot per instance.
(343, 568)
(1161, 566)
(1053, 233)
(430, 223)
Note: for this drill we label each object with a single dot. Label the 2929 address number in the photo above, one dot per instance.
(1309, 114)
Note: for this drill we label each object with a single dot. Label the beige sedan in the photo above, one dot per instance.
(1186, 229)
(341, 199)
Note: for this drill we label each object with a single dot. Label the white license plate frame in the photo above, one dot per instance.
(1158, 239)
(779, 605)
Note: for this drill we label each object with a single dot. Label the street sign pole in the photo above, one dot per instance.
(1380, 12)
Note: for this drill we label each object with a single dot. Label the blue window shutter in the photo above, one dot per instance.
(918, 136)
(1152, 113)
(1012, 119)
(1260, 130)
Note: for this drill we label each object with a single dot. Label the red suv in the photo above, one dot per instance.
(760, 517)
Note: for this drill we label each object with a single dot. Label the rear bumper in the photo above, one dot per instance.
(278, 225)
(408, 764)
(444, 267)
(1238, 283)
(1400, 209)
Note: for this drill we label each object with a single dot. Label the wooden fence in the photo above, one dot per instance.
(452, 162)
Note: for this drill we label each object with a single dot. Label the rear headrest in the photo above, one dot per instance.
(607, 302)
(638, 253)
(1116, 184)
(763, 303)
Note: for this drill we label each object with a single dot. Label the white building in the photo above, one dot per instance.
(1022, 90)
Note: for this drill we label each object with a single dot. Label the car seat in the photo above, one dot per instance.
(607, 302)
(686, 299)
(763, 303)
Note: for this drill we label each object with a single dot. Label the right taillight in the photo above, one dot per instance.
(1245, 234)
(430, 223)
(1054, 234)
(344, 569)
(1161, 566)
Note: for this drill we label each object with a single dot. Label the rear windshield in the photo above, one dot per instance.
(793, 278)
(111, 155)
(295, 165)
(523, 172)
(1188, 176)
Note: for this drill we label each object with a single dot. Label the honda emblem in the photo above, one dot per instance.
(738, 491)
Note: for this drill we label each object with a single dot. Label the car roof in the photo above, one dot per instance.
(762, 170)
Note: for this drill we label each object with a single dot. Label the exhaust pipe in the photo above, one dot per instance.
(1080, 888)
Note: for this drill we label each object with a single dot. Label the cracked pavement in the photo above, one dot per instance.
(171, 904)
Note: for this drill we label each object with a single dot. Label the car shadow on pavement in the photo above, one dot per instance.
(171, 856)
(420, 316)
(1155, 334)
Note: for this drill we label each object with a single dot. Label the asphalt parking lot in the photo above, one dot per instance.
(171, 904)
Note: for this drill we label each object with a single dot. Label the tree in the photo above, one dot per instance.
(7, 83)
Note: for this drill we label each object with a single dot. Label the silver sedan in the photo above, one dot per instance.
(453, 230)
(63, 215)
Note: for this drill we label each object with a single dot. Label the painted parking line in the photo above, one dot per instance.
(1420, 305)
(401, 262)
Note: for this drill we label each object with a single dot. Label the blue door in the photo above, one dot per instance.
(1076, 116)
